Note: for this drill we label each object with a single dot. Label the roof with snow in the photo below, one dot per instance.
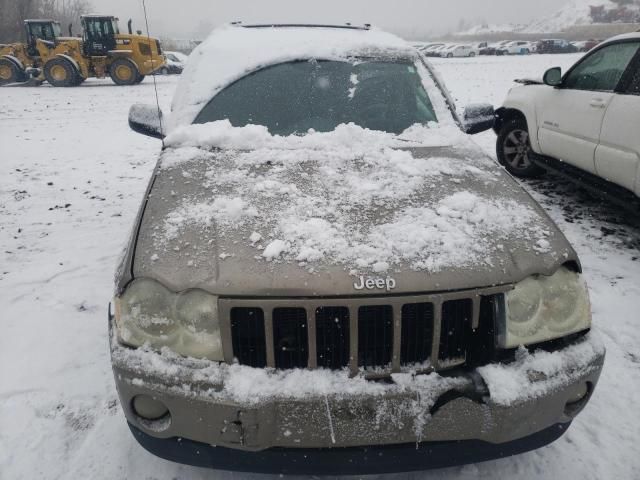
(234, 51)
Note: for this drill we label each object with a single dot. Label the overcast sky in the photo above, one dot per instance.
(411, 18)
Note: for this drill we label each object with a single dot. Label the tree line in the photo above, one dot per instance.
(12, 14)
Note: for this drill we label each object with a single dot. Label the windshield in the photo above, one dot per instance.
(45, 31)
(294, 97)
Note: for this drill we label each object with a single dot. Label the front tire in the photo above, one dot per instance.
(472, 54)
(139, 79)
(60, 73)
(514, 150)
(10, 72)
(124, 72)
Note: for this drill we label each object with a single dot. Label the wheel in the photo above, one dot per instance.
(472, 54)
(513, 150)
(527, 51)
(164, 71)
(10, 72)
(449, 55)
(124, 72)
(139, 79)
(61, 73)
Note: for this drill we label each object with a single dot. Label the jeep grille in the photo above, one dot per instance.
(377, 335)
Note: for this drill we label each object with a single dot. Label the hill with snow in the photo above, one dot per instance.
(574, 13)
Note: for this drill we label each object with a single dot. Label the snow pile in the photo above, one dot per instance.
(508, 383)
(221, 134)
(224, 210)
(230, 53)
(348, 197)
(534, 375)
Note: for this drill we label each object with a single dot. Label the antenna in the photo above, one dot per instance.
(155, 84)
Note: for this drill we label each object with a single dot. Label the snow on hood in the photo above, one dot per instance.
(350, 200)
(231, 52)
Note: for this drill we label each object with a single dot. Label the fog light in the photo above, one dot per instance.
(149, 408)
(580, 394)
(578, 400)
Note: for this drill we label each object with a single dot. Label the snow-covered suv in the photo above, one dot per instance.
(585, 124)
(328, 276)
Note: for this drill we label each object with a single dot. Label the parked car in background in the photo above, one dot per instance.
(494, 48)
(176, 61)
(336, 280)
(516, 48)
(586, 45)
(457, 51)
(427, 49)
(585, 124)
(479, 47)
(434, 51)
(555, 46)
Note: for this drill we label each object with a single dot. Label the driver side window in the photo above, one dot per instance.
(602, 70)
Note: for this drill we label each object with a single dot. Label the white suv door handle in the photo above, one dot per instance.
(598, 103)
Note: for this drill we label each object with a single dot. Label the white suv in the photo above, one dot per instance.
(585, 124)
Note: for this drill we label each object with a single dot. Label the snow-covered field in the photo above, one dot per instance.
(72, 176)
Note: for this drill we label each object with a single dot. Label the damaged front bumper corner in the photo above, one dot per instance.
(233, 418)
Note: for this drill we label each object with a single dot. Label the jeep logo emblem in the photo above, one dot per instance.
(387, 284)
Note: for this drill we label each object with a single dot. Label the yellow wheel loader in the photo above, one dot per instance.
(68, 61)
(18, 61)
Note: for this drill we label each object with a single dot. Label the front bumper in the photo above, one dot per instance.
(343, 461)
(278, 419)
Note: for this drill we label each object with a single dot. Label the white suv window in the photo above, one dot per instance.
(602, 70)
(634, 86)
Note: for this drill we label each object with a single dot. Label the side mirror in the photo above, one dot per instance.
(553, 77)
(478, 118)
(147, 120)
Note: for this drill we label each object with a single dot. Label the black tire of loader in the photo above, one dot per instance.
(71, 74)
(139, 79)
(120, 62)
(17, 75)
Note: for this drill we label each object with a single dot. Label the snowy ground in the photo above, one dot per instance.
(72, 178)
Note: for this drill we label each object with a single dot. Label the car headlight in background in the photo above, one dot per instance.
(187, 323)
(542, 308)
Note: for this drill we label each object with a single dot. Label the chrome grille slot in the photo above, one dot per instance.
(332, 337)
(375, 336)
(417, 333)
(456, 326)
(290, 338)
(248, 336)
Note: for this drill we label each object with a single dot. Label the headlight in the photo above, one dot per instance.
(187, 323)
(545, 308)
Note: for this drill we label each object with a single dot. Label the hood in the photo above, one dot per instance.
(340, 222)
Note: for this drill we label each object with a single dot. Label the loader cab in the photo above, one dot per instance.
(99, 34)
(45, 30)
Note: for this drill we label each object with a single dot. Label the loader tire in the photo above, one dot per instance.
(139, 79)
(60, 73)
(10, 72)
(124, 72)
